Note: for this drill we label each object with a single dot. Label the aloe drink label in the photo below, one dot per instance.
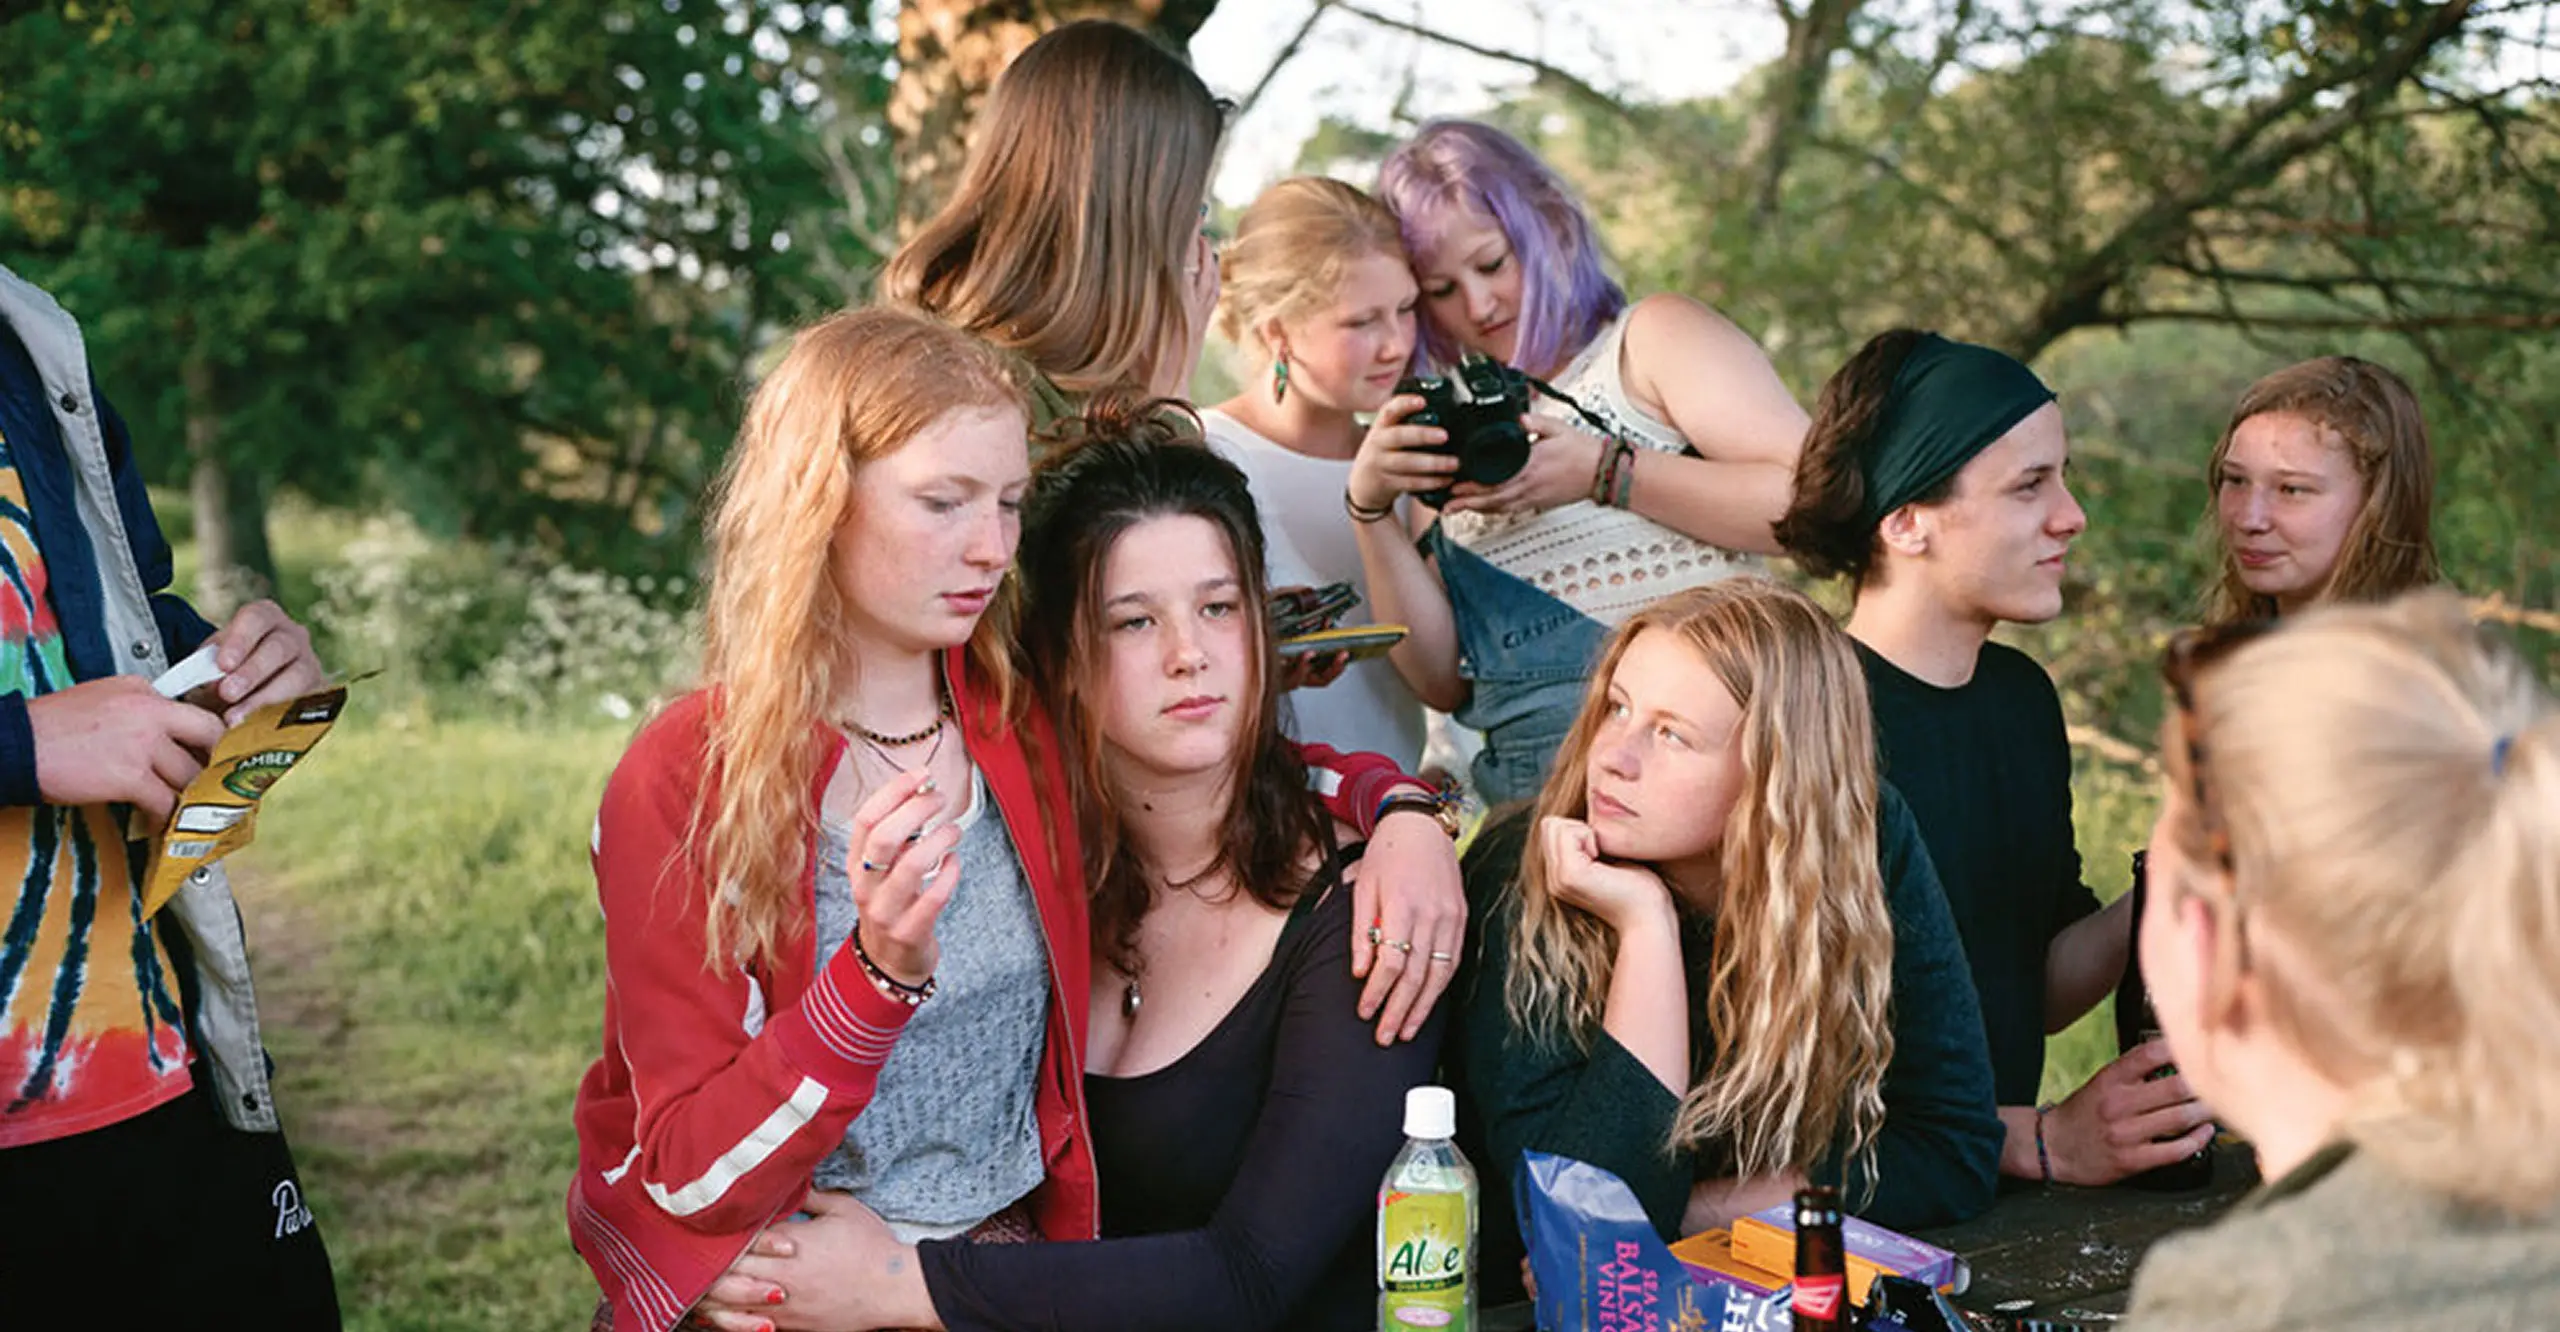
(1422, 1260)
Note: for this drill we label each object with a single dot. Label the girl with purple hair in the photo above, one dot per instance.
(1515, 586)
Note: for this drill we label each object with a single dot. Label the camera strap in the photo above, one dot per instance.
(1589, 418)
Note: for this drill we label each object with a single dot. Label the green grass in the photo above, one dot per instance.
(431, 962)
(2112, 808)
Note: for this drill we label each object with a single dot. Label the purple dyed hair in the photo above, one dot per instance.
(1566, 296)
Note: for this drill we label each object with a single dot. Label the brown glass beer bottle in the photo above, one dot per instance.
(1821, 1301)
(2136, 1023)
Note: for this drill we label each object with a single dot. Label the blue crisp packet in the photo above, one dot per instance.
(1599, 1265)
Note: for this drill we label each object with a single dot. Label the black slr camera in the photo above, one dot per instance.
(1480, 406)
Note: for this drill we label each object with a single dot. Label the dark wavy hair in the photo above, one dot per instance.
(1115, 467)
(1826, 527)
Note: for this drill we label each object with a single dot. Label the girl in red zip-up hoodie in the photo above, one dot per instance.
(857, 623)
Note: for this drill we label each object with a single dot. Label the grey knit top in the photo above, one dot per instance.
(950, 1138)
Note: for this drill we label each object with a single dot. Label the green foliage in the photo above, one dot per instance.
(501, 265)
(472, 629)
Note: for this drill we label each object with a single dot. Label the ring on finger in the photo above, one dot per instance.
(1438, 956)
(869, 868)
(1400, 945)
(1376, 934)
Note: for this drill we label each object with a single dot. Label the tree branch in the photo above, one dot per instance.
(1288, 51)
(1814, 35)
(1957, 213)
(2511, 323)
(1573, 85)
(2252, 153)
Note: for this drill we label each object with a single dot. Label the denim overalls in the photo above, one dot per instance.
(1528, 657)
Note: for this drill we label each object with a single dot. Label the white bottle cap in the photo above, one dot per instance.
(1430, 1112)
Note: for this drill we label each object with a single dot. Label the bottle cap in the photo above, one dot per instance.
(1430, 1112)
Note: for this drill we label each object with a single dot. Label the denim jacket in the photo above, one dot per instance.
(1527, 658)
(109, 568)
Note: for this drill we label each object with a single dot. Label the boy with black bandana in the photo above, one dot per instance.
(1933, 479)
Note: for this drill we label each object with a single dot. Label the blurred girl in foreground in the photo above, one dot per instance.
(2353, 944)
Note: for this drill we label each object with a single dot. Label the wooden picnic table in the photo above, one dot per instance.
(2068, 1255)
(2060, 1254)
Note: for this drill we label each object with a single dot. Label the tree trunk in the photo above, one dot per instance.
(1794, 98)
(234, 564)
(949, 54)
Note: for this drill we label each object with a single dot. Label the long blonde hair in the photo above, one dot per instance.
(1292, 247)
(2388, 778)
(1802, 975)
(853, 388)
(2371, 413)
(1064, 240)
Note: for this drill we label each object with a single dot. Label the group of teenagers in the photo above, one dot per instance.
(1005, 936)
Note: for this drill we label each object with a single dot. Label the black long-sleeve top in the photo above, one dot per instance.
(1239, 1183)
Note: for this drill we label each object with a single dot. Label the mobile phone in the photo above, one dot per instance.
(1362, 641)
(1301, 611)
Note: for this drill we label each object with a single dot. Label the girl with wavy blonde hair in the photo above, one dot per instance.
(1716, 961)
(2353, 944)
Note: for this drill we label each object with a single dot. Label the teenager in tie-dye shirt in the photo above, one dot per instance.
(136, 1130)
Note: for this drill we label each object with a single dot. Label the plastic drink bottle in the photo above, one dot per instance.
(1427, 1223)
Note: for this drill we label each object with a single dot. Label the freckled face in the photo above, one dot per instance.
(2284, 500)
(932, 528)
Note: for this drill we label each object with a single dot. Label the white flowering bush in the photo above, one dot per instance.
(485, 627)
(593, 640)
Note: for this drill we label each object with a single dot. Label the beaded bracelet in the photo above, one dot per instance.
(910, 995)
(2044, 1162)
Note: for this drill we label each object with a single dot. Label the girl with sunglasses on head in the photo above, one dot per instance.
(1676, 485)
(844, 902)
(1241, 1114)
(2353, 943)
(2323, 487)
(1716, 961)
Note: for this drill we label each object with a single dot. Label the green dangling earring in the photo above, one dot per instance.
(1279, 379)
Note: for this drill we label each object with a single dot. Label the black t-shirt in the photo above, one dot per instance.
(1239, 1183)
(1987, 772)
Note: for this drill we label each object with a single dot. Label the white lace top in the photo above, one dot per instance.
(1605, 562)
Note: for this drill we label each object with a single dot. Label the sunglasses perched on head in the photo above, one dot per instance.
(2191, 651)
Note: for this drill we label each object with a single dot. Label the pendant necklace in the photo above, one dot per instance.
(1129, 996)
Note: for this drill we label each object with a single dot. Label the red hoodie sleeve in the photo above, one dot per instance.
(736, 1105)
(1351, 785)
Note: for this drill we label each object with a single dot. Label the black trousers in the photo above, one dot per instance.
(170, 1220)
